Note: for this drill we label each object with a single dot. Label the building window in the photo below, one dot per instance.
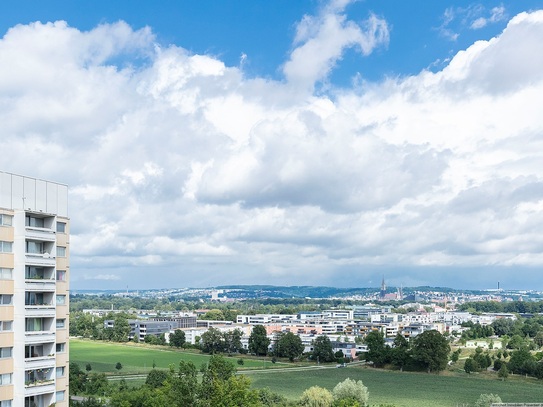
(5, 403)
(61, 323)
(6, 274)
(61, 275)
(6, 247)
(61, 300)
(60, 395)
(6, 220)
(6, 325)
(34, 325)
(61, 347)
(34, 222)
(6, 353)
(6, 299)
(61, 227)
(60, 372)
(32, 298)
(61, 251)
(5, 379)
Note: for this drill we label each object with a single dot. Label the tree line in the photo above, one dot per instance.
(215, 384)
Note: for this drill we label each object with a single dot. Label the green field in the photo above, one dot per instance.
(402, 389)
(138, 358)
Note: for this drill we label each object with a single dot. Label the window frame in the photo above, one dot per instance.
(6, 273)
(6, 352)
(6, 220)
(61, 251)
(61, 227)
(6, 247)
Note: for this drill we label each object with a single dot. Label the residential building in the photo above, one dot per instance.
(34, 294)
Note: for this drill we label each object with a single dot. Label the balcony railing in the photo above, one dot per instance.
(42, 234)
(39, 259)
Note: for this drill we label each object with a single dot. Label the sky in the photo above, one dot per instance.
(335, 143)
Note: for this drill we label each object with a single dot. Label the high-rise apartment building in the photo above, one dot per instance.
(34, 275)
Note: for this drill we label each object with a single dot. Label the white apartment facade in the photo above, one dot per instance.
(34, 292)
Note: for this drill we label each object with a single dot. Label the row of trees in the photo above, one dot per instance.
(428, 351)
(214, 341)
(518, 307)
(215, 384)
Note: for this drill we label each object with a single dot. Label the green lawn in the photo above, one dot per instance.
(138, 358)
(402, 389)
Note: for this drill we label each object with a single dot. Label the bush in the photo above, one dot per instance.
(316, 397)
(351, 390)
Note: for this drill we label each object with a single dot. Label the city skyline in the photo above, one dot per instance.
(308, 143)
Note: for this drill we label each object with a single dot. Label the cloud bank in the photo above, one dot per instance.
(184, 172)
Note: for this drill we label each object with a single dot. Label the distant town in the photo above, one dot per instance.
(383, 293)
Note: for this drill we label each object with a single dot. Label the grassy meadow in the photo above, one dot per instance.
(403, 389)
(448, 389)
(138, 358)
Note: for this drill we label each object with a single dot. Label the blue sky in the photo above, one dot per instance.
(421, 35)
(285, 142)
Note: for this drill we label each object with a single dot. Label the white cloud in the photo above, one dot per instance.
(321, 40)
(184, 172)
(476, 16)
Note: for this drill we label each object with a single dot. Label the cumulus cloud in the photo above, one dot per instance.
(182, 171)
(321, 40)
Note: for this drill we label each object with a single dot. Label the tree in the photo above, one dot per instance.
(431, 349)
(538, 371)
(97, 383)
(455, 355)
(470, 366)
(378, 352)
(220, 386)
(322, 349)
(486, 400)
(351, 390)
(519, 362)
(503, 373)
(340, 357)
(121, 329)
(288, 345)
(184, 387)
(232, 341)
(156, 378)
(118, 366)
(316, 396)
(77, 379)
(212, 341)
(538, 339)
(177, 339)
(259, 341)
(399, 354)
(213, 315)
(88, 367)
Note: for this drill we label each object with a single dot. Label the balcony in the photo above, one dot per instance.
(39, 336)
(34, 388)
(40, 259)
(40, 310)
(40, 284)
(41, 234)
(40, 362)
